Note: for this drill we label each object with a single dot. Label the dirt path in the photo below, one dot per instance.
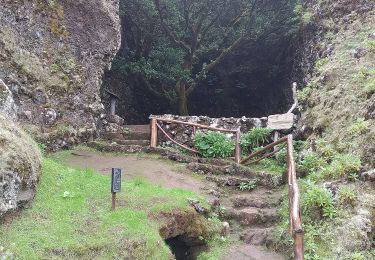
(153, 170)
(171, 175)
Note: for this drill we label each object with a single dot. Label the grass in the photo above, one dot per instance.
(71, 218)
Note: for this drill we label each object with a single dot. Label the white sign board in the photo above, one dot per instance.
(281, 122)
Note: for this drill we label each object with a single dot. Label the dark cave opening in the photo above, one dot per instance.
(254, 81)
(184, 250)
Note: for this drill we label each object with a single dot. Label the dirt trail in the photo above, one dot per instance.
(171, 175)
(152, 170)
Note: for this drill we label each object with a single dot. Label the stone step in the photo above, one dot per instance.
(253, 216)
(114, 147)
(258, 236)
(137, 132)
(260, 197)
(136, 136)
(264, 179)
(241, 201)
(143, 143)
(223, 181)
(251, 252)
(108, 136)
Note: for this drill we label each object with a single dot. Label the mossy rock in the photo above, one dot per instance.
(20, 161)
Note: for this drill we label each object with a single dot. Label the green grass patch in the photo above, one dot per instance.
(71, 218)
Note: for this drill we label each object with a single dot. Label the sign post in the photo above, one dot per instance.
(115, 185)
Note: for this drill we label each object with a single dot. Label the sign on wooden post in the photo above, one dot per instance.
(281, 122)
(115, 185)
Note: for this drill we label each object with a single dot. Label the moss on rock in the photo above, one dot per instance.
(20, 161)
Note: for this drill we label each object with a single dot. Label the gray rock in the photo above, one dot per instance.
(84, 45)
(50, 116)
(28, 115)
(39, 96)
(19, 166)
(368, 175)
(358, 52)
(7, 105)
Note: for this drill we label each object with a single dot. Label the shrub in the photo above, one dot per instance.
(324, 149)
(213, 144)
(358, 127)
(319, 64)
(250, 185)
(316, 200)
(371, 46)
(311, 163)
(256, 137)
(370, 87)
(304, 93)
(343, 165)
(346, 195)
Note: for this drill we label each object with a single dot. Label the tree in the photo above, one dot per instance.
(178, 42)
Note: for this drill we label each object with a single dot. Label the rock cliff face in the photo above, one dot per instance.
(336, 69)
(335, 66)
(52, 56)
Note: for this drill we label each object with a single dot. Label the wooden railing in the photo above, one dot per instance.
(296, 229)
(295, 220)
(155, 126)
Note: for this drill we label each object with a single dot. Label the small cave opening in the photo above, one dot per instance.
(254, 80)
(184, 249)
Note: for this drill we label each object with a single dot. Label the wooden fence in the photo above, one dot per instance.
(296, 229)
(155, 126)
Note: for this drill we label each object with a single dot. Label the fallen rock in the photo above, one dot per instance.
(197, 206)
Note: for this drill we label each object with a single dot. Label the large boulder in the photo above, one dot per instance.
(20, 161)
(52, 57)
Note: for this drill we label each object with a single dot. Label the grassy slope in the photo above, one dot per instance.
(335, 106)
(343, 87)
(71, 218)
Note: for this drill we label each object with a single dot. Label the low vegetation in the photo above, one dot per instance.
(255, 138)
(213, 144)
(71, 218)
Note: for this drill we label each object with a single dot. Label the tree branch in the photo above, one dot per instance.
(213, 64)
(172, 35)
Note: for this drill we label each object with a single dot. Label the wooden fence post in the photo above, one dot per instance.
(154, 133)
(238, 146)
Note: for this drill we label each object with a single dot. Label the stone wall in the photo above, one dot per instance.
(184, 134)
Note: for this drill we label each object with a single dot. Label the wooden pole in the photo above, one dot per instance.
(294, 204)
(238, 147)
(113, 201)
(154, 133)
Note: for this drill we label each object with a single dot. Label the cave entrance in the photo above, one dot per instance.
(255, 80)
(183, 249)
